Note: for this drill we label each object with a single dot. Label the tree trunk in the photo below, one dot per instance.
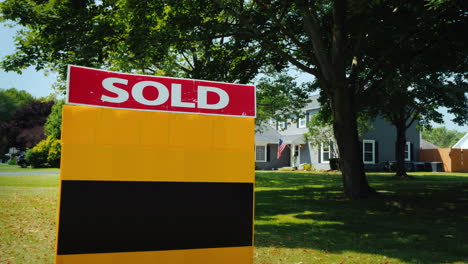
(400, 149)
(346, 133)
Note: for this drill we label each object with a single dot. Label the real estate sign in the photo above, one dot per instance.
(155, 170)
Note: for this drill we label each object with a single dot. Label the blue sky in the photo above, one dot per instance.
(39, 84)
(36, 83)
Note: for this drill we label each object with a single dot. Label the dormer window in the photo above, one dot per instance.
(282, 125)
(273, 123)
(302, 122)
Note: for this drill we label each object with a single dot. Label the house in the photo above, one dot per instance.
(462, 143)
(427, 145)
(378, 144)
(451, 159)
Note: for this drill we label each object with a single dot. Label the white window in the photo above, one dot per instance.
(282, 125)
(325, 153)
(292, 122)
(302, 122)
(368, 151)
(408, 151)
(260, 153)
(273, 123)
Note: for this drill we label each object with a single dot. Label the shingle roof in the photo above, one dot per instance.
(294, 139)
(267, 135)
(427, 145)
(314, 104)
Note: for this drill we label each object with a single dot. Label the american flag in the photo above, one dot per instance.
(281, 146)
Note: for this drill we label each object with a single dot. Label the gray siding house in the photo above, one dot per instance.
(378, 144)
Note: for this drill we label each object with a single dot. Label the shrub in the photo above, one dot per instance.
(12, 161)
(307, 167)
(53, 157)
(45, 154)
(286, 169)
(37, 156)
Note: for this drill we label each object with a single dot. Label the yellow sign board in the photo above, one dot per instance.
(155, 187)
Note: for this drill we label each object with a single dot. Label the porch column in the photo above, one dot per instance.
(291, 157)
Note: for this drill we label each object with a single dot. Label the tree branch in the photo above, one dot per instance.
(338, 33)
(312, 27)
(292, 60)
(188, 61)
(411, 122)
(282, 28)
(356, 64)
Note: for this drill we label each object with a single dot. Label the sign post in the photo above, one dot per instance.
(155, 170)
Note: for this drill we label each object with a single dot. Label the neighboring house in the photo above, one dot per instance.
(452, 159)
(378, 145)
(427, 145)
(462, 143)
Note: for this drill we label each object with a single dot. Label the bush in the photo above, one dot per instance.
(45, 154)
(286, 169)
(37, 156)
(13, 161)
(307, 167)
(53, 157)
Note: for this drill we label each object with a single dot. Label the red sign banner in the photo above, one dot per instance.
(87, 86)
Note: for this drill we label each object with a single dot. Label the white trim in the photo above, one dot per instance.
(321, 153)
(364, 151)
(299, 156)
(67, 95)
(408, 150)
(291, 155)
(310, 151)
(265, 148)
(305, 122)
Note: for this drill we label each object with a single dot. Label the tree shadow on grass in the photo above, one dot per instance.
(420, 221)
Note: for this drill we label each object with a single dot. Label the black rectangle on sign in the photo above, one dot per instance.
(117, 216)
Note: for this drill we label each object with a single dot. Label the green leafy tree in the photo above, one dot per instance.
(410, 86)
(320, 130)
(53, 125)
(10, 100)
(281, 98)
(418, 100)
(441, 136)
(327, 39)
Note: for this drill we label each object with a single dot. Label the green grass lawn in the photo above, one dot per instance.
(304, 218)
(300, 218)
(18, 169)
(28, 205)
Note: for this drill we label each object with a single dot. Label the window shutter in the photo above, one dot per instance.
(297, 122)
(268, 153)
(411, 151)
(361, 150)
(376, 152)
